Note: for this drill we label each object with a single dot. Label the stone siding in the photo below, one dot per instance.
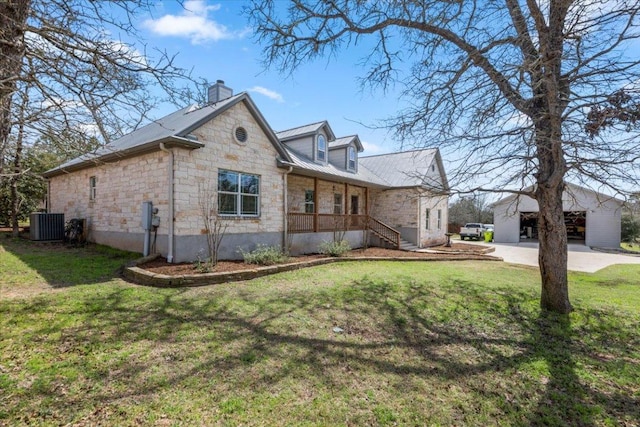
(396, 208)
(433, 235)
(297, 185)
(121, 187)
(199, 168)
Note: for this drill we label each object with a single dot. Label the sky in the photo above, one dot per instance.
(213, 39)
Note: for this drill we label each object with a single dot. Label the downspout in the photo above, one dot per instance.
(420, 224)
(170, 220)
(47, 202)
(285, 234)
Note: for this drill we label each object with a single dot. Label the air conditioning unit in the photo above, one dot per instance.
(46, 226)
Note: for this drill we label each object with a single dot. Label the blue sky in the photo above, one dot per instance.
(213, 39)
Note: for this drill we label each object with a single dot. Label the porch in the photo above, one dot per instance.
(324, 222)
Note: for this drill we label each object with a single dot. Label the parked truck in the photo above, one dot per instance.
(472, 230)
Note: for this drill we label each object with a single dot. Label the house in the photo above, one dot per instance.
(591, 218)
(293, 189)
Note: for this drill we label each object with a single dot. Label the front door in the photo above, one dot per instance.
(354, 210)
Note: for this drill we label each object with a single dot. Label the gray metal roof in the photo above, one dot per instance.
(345, 141)
(172, 129)
(363, 176)
(309, 129)
(404, 169)
(569, 188)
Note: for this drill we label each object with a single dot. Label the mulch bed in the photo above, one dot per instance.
(160, 265)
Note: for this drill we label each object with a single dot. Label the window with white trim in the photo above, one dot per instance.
(352, 159)
(93, 182)
(309, 201)
(337, 203)
(439, 219)
(426, 219)
(321, 152)
(238, 193)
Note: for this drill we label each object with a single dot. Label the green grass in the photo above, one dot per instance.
(635, 247)
(451, 343)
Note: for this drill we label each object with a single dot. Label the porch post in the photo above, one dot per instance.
(366, 208)
(346, 220)
(315, 205)
(346, 190)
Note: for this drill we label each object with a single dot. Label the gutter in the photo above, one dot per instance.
(170, 237)
(95, 159)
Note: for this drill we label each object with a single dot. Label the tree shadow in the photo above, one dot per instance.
(62, 265)
(252, 338)
(568, 397)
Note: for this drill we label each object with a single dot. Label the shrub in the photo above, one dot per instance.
(335, 248)
(264, 255)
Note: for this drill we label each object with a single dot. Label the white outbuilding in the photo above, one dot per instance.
(591, 218)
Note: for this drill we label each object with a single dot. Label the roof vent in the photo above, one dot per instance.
(219, 91)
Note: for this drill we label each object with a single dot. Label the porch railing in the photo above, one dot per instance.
(384, 231)
(313, 223)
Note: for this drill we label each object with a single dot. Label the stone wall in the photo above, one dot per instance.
(297, 185)
(432, 234)
(396, 208)
(121, 187)
(199, 169)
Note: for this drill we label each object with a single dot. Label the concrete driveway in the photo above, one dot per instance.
(581, 257)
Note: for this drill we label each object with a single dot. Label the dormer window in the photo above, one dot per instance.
(352, 159)
(321, 152)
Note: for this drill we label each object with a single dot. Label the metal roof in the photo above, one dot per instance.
(172, 129)
(363, 176)
(345, 141)
(305, 130)
(404, 169)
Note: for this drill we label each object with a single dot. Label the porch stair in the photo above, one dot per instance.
(407, 246)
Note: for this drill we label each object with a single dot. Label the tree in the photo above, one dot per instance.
(30, 189)
(214, 225)
(503, 86)
(470, 209)
(76, 68)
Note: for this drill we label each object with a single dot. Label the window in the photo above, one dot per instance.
(322, 148)
(238, 193)
(309, 202)
(92, 188)
(439, 219)
(426, 219)
(241, 134)
(337, 203)
(352, 159)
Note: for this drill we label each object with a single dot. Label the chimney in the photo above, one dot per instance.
(219, 91)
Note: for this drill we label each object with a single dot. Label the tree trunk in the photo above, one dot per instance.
(15, 179)
(552, 254)
(552, 232)
(13, 17)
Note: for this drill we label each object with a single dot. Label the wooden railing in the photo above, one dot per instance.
(384, 231)
(313, 223)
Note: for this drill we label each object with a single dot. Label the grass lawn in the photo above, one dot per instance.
(635, 247)
(450, 343)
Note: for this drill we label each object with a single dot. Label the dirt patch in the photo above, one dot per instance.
(160, 265)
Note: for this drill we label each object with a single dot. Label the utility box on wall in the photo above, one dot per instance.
(46, 226)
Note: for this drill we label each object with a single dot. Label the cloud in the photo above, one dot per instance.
(267, 92)
(193, 23)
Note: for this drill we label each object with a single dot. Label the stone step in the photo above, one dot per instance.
(407, 246)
